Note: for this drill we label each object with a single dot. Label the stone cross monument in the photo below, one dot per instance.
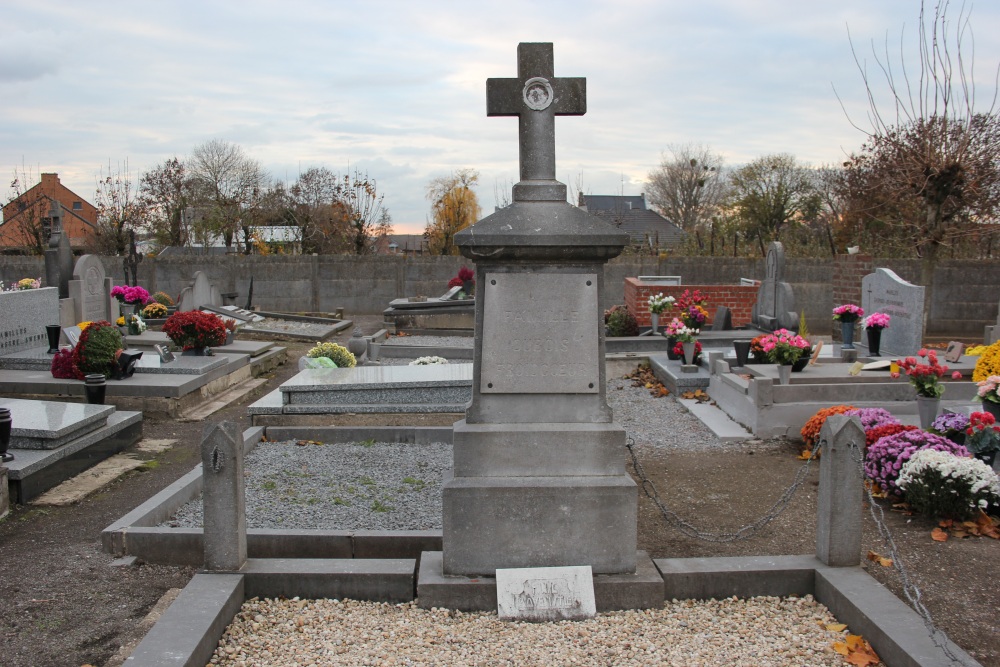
(539, 476)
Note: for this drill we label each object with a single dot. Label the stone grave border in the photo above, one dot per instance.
(189, 630)
(333, 326)
(138, 533)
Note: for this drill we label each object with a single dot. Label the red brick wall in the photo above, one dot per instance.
(737, 298)
(848, 270)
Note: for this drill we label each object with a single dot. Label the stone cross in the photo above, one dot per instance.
(536, 96)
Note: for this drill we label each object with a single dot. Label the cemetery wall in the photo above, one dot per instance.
(963, 297)
(739, 299)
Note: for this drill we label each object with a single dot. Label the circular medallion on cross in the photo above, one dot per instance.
(537, 93)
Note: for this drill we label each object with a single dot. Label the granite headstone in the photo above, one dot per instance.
(775, 307)
(200, 293)
(885, 292)
(546, 594)
(90, 291)
(23, 317)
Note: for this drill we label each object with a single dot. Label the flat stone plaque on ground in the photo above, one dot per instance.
(546, 593)
(538, 334)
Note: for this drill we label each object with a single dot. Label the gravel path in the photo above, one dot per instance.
(759, 632)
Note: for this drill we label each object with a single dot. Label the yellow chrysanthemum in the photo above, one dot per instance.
(988, 364)
(83, 325)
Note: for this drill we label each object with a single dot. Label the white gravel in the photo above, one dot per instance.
(759, 632)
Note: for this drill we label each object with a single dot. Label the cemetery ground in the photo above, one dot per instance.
(64, 603)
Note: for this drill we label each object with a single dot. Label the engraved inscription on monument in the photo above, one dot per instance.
(540, 333)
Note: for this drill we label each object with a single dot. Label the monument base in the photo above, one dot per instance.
(504, 522)
(612, 592)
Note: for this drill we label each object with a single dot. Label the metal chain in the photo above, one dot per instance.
(743, 533)
(910, 590)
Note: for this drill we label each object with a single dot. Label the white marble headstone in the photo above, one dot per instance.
(546, 593)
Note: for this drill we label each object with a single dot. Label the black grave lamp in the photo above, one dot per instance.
(5, 428)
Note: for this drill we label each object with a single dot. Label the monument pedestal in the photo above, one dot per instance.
(503, 522)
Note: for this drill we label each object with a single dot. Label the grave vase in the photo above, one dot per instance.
(992, 408)
(847, 333)
(688, 353)
(927, 408)
(742, 348)
(654, 320)
(803, 361)
(5, 429)
(53, 331)
(987, 457)
(94, 386)
(874, 340)
(671, 343)
(784, 373)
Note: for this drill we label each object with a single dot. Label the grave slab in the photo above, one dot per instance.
(35, 471)
(545, 593)
(51, 424)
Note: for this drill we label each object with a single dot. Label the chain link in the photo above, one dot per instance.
(910, 590)
(743, 533)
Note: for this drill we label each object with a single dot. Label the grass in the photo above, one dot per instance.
(379, 506)
(269, 485)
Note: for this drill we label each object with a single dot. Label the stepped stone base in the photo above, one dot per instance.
(612, 592)
(539, 522)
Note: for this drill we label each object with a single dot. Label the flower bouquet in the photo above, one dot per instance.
(951, 425)
(658, 303)
(873, 325)
(783, 347)
(466, 280)
(926, 377)
(195, 330)
(982, 437)
(848, 313)
(692, 308)
(135, 325)
(874, 321)
(680, 332)
(987, 393)
(132, 296)
(943, 485)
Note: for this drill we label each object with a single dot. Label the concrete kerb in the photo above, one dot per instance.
(189, 631)
(139, 534)
(390, 351)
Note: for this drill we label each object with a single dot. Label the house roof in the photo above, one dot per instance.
(629, 213)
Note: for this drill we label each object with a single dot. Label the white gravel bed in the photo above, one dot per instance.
(759, 632)
(356, 486)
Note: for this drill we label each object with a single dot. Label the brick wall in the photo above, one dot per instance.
(739, 299)
(848, 270)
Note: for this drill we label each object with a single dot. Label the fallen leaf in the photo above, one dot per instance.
(841, 648)
(854, 641)
(836, 627)
(880, 559)
(939, 535)
(946, 523)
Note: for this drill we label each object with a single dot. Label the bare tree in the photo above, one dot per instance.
(26, 223)
(166, 191)
(359, 200)
(314, 208)
(689, 186)
(120, 210)
(929, 170)
(227, 185)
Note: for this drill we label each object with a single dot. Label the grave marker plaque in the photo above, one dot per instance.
(885, 292)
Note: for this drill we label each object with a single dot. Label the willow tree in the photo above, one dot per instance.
(454, 207)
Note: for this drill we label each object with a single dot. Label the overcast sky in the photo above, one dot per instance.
(397, 89)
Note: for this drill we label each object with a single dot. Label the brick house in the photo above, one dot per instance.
(29, 213)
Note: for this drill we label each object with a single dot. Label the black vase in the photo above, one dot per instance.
(671, 355)
(742, 348)
(94, 386)
(874, 340)
(987, 457)
(5, 427)
(53, 331)
(992, 408)
(803, 361)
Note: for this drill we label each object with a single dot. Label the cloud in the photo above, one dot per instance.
(28, 56)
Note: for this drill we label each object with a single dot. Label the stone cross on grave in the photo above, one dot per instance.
(536, 97)
(538, 477)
